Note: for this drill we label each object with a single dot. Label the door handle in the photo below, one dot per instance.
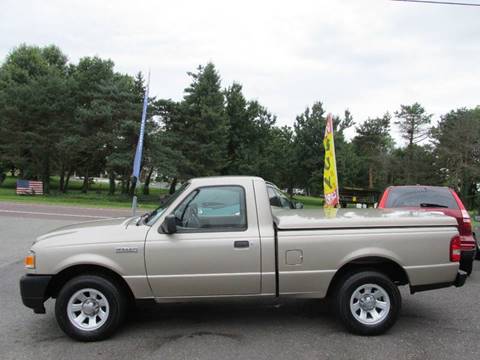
(241, 244)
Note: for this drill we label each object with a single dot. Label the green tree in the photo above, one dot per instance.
(93, 116)
(202, 125)
(457, 142)
(241, 129)
(250, 126)
(414, 124)
(162, 157)
(347, 160)
(349, 164)
(278, 163)
(309, 130)
(35, 107)
(421, 169)
(125, 97)
(373, 142)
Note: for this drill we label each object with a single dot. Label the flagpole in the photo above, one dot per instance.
(138, 153)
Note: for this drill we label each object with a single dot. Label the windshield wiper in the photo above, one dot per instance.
(433, 205)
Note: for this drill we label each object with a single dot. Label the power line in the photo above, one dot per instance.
(439, 2)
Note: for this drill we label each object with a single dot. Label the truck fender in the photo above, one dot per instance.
(370, 252)
(89, 259)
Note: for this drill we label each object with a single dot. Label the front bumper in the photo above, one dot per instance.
(33, 289)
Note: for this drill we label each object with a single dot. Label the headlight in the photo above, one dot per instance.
(29, 260)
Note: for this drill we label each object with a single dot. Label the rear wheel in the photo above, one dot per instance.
(90, 307)
(367, 303)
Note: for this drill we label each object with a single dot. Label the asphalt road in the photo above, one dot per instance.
(441, 324)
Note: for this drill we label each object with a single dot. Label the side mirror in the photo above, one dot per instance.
(169, 225)
(275, 201)
(298, 205)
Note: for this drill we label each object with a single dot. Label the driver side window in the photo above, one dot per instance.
(214, 208)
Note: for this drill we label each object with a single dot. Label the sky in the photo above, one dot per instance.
(368, 56)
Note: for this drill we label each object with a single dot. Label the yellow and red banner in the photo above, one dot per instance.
(330, 180)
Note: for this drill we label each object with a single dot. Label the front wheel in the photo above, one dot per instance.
(90, 307)
(367, 303)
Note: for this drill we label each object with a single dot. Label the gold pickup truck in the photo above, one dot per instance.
(219, 237)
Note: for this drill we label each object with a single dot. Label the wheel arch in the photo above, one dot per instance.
(61, 278)
(386, 266)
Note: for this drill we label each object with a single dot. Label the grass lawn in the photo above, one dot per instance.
(309, 202)
(96, 197)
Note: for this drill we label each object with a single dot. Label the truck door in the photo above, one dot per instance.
(216, 249)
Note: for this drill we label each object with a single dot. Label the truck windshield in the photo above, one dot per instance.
(155, 214)
(418, 196)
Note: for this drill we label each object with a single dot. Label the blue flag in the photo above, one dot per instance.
(137, 162)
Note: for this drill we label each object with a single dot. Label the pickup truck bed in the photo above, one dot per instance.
(315, 246)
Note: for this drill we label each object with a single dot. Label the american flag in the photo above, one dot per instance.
(29, 187)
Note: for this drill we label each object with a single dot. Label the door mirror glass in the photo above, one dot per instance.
(169, 225)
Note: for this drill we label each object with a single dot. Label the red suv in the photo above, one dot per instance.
(435, 198)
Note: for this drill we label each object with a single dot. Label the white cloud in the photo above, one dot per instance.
(366, 55)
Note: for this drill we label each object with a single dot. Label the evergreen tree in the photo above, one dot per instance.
(203, 124)
(309, 151)
(34, 108)
(373, 142)
(278, 164)
(414, 124)
(240, 129)
(309, 132)
(457, 147)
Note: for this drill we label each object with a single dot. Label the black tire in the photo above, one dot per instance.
(117, 302)
(343, 295)
(469, 267)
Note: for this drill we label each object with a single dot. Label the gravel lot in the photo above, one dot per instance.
(441, 324)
